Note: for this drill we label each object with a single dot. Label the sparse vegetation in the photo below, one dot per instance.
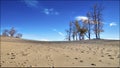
(11, 33)
(82, 28)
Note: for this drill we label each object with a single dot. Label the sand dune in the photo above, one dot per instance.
(89, 53)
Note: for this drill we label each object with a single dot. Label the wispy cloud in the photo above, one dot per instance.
(31, 3)
(112, 24)
(82, 18)
(50, 11)
(47, 11)
(60, 33)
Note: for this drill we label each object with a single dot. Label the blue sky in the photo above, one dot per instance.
(47, 20)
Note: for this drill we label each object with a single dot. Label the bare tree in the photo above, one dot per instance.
(67, 35)
(77, 26)
(70, 30)
(97, 19)
(12, 32)
(5, 33)
(89, 25)
(83, 32)
(19, 35)
(73, 33)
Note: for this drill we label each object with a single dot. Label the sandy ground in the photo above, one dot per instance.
(21, 53)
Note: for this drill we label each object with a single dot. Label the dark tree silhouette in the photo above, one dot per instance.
(77, 25)
(12, 32)
(5, 33)
(82, 32)
(67, 35)
(19, 35)
(97, 19)
(79, 29)
(73, 33)
(70, 30)
(89, 25)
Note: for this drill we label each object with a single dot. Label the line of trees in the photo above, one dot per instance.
(79, 29)
(11, 33)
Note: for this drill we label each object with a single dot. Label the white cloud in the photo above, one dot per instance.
(50, 11)
(60, 33)
(31, 3)
(82, 18)
(112, 24)
(46, 11)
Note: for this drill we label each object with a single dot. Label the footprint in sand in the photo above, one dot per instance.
(67, 56)
(100, 60)
(81, 61)
(12, 55)
(24, 54)
(50, 60)
(118, 56)
(3, 62)
(76, 58)
(82, 51)
(112, 58)
(109, 55)
(89, 57)
(93, 64)
(102, 55)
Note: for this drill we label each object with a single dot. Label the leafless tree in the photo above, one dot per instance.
(70, 30)
(5, 33)
(19, 35)
(67, 35)
(12, 32)
(77, 26)
(73, 32)
(83, 32)
(97, 19)
(89, 25)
